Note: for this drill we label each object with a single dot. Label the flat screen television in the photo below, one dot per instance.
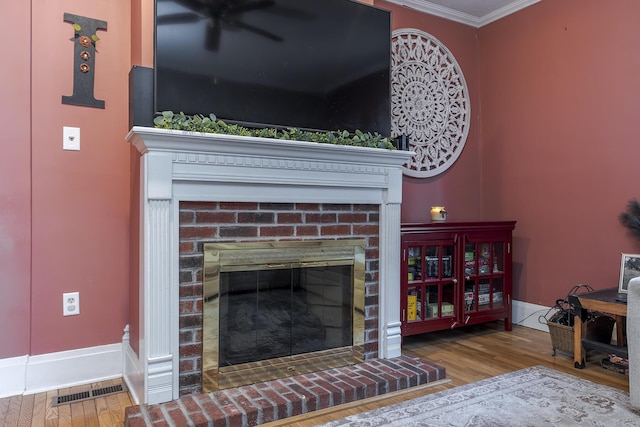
(310, 64)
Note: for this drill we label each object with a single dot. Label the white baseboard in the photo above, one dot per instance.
(527, 314)
(133, 372)
(13, 372)
(35, 374)
(133, 376)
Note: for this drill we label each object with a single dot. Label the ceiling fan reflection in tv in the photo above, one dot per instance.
(308, 64)
(227, 14)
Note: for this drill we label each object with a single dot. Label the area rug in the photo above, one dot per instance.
(531, 397)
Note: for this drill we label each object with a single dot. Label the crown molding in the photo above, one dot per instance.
(464, 18)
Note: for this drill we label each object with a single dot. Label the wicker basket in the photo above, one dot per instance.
(599, 328)
(561, 337)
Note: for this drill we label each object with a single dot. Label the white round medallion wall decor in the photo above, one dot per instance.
(429, 101)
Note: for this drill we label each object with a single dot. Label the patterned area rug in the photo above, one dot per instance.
(536, 396)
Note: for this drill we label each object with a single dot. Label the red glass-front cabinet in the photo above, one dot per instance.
(455, 274)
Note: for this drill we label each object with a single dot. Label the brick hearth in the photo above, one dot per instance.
(275, 400)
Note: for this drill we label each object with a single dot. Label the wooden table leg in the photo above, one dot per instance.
(579, 332)
(620, 338)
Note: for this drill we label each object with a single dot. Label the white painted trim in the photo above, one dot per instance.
(73, 367)
(13, 372)
(527, 314)
(441, 11)
(51, 371)
(390, 334)
(464, 18)
(506, 10)
(132, 372)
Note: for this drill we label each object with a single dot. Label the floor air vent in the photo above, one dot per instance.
(88, 394)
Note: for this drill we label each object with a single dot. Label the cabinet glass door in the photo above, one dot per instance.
(430, 290)
(414, 304)
(415, 290)
(439, 279)
(484, 275)
(414, 262)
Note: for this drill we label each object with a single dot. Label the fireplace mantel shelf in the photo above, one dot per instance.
(180, 166)
(154, 139)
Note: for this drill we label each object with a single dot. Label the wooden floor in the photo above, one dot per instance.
(36, 409)
(469, 354)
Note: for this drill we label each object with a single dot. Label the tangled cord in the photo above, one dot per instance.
(563, 312)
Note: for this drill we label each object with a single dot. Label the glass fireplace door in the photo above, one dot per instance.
(267, 314)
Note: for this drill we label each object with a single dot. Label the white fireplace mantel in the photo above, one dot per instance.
(180, 166)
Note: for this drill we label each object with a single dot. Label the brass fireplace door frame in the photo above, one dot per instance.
(244, 256)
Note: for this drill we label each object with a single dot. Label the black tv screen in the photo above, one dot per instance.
(309, 64)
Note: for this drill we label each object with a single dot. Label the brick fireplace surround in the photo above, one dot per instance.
(203, 222)
(289, 181)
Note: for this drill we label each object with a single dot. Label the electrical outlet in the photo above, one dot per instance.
(70, 138)
(70, 303)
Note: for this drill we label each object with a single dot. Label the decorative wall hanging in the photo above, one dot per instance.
(429, 101)
(84, 50)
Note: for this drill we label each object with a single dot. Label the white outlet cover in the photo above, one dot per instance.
(70, 138)
(70, 303)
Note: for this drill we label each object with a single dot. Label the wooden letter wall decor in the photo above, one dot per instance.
(84, 53)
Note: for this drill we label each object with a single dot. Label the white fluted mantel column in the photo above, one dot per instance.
(159, 317)
(389, 305)
(180, 166)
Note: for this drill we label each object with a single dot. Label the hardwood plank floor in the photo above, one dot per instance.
(469, 354)
(37, 409)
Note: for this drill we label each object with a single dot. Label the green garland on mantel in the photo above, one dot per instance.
(199, 123)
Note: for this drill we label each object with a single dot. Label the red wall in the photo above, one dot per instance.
(458, 189)
(15, 182)
(75, 237)
(552, 145)
(559, 105)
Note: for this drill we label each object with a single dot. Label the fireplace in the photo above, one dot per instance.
(177, 168)
(280, 308)
(293, 233)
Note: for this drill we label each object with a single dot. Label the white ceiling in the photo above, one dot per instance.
(471, 12)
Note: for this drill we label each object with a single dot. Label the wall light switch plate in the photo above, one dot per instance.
(70, 138)
(70, 303)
